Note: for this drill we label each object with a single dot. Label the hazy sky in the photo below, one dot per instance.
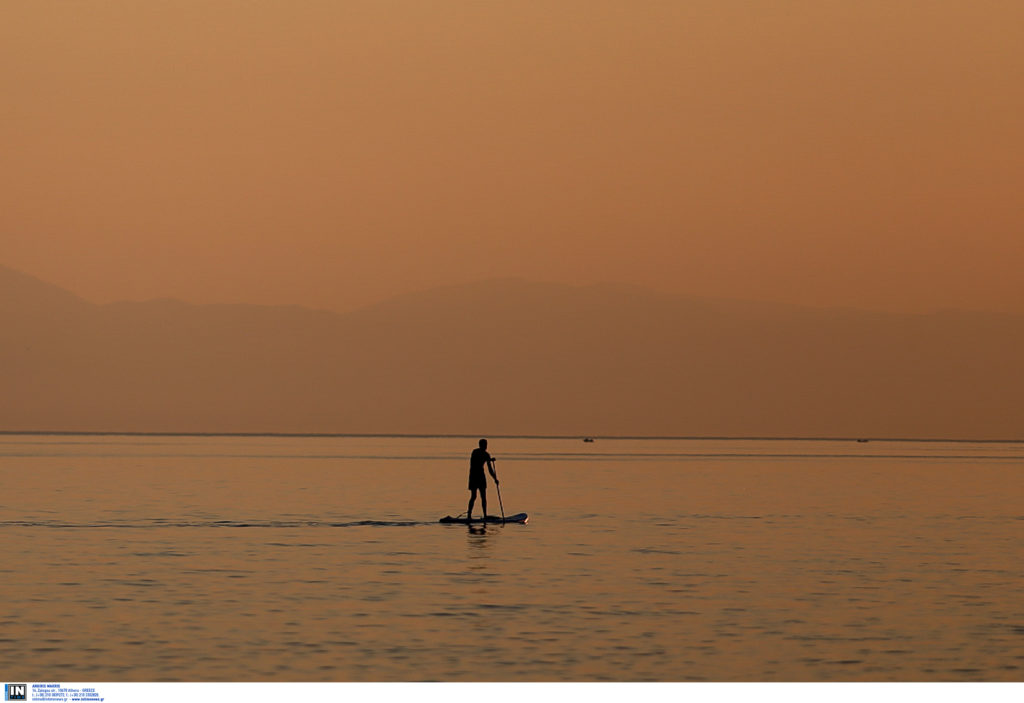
(331, 153)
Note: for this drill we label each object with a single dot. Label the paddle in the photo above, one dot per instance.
(498, 484)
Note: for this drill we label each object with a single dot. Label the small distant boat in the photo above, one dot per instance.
(588, 439)
(862, 441)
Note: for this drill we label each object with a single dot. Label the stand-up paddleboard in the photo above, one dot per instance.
(520, 518)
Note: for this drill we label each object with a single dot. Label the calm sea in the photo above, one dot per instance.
(130, 558)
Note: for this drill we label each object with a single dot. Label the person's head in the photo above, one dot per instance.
(483, 444)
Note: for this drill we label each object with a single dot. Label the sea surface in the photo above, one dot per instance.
(203, 558)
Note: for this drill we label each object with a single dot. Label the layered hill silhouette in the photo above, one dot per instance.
(506, 357)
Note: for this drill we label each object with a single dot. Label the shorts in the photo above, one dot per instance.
(478, 481)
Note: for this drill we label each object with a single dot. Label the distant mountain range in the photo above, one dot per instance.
(507, 357)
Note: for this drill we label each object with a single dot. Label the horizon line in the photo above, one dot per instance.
(412, 435)
(342, 309)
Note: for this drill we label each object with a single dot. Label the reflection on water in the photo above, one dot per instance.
(478, 538)
(135, 558)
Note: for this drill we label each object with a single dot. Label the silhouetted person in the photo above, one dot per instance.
(477, 479)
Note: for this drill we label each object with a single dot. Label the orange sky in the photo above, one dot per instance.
(332, 153)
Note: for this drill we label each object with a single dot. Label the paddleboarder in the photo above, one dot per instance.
(477, 479)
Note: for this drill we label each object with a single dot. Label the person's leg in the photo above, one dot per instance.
(483, 501)
(472, 499)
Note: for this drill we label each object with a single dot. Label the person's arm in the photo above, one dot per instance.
(490, 467)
